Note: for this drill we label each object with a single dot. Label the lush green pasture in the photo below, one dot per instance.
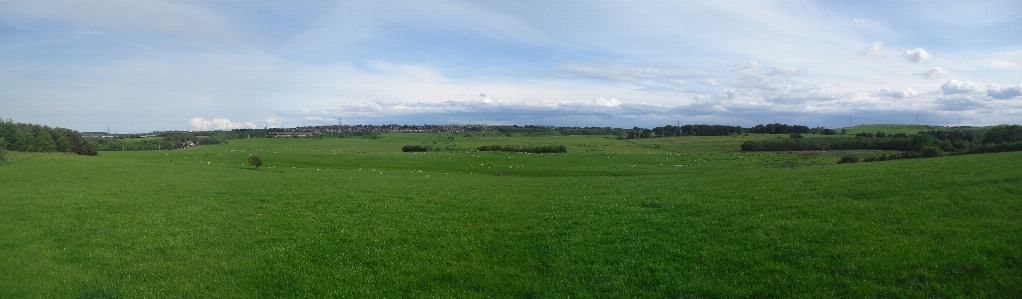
(611, 218)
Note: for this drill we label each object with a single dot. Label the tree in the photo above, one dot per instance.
(1003, 134)
(920, 141)
(23, 140)
(255, 160)
(3, 150)
(44, 141)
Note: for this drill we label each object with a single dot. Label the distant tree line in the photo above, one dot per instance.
(168, 141)
(929, 143)
(35, 138)
(827, 144)
(685, 130)
(528, 130)
(880, 134)
(777, 128)
(591, 131)
(539, 149)
(722, 130)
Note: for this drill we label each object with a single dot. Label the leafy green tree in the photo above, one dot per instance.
(3, 150)
(255, 160)
(920, 141)
(1003, 134)
(63, 143)
(43, 140)
(23, 140)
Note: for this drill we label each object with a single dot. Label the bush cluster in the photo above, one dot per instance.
(848, 159)
(540, 149)
(416, 148)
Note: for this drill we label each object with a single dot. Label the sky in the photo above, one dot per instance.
(150, 65)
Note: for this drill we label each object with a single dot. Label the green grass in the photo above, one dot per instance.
(358, 218)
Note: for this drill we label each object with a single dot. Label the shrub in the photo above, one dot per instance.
(930, 152)
(255, 160)
(796, 135)
(542, 149)
(416, 148)
(848, 159)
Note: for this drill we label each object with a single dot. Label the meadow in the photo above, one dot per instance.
(890, 128)
(355, 217)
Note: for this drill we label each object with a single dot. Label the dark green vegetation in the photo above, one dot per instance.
(256, 161)
(931, 143)
(35, 138)
(536, 149)
(417, 148)
(658, 217)
(168, 141)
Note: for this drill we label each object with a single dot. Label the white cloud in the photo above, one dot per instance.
(934, 73)
(916, 55)
(218, 124)
(898, 94)
(875, 49)
(958, 87)
(710, 82)
(859, 21)
(1006, 92)
(606, 103)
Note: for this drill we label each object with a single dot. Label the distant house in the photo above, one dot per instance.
(289, 134)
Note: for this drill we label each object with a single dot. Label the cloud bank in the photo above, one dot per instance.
(897, 93)
(958, 87)
(218, 124)
(1003, 93)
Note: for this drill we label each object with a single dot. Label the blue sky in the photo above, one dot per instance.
(139, 66)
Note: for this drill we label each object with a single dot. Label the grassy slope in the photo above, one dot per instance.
(890, 128)
(157, 224)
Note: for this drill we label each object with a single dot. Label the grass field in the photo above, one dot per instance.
(890, 128)
(668, 217)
